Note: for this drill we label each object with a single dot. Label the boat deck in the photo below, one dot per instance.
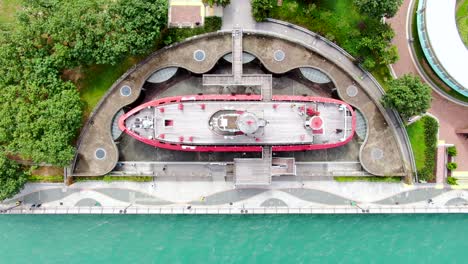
(188, 123)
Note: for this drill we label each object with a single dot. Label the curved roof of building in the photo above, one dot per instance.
(445, 39)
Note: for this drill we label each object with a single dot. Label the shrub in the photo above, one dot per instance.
(452, 151)
(452, 181)
(452, 166)
(430, 139)
(174, 35)
(261, 9)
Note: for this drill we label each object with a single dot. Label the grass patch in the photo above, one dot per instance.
(7, 13)
(98, 79)
(367, 179)
(423, 137)
(416, 136)
(336, 20)
(114, 178)
(45, 174)
(383, 76)
(42, 178)
(462, 20)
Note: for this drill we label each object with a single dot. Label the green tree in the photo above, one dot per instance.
(92, 31)
(12, 178)
(40, 126)
(379, 8)
(136, 24)
(261, 9)
(374, 45)
(408, 95)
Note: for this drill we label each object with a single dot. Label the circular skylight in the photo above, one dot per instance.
(199, 55)
(100, 153)
(279, 55)
(125, 90)
(351, 91)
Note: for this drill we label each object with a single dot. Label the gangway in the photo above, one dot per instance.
(237, 55)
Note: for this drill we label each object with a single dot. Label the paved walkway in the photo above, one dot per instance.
(450, 115)
(181, 197)
(238, 14)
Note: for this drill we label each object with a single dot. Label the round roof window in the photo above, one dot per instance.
(199, 55)
(351, 91)
(125, 90)
(279, 55)
(100, 153)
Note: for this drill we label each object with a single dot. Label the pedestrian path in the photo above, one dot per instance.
(210, 197)
(238, 14)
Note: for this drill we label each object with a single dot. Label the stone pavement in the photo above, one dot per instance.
(318, 197)
(405, 64)
(450, 115)
(238, 14)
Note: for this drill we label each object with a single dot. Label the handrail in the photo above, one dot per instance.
(353, 208)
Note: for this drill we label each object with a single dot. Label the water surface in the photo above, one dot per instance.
(233, 239)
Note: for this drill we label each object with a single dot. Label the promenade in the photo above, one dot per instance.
(317, 197)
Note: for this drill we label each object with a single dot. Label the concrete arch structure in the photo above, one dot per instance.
(381, 134)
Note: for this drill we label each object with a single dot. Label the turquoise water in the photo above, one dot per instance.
(234, 239)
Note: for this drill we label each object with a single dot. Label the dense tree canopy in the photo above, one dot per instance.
(12, 178)
(379, 8)
(40, 113)
(93, 31)
(374, 44)
(408, 95)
